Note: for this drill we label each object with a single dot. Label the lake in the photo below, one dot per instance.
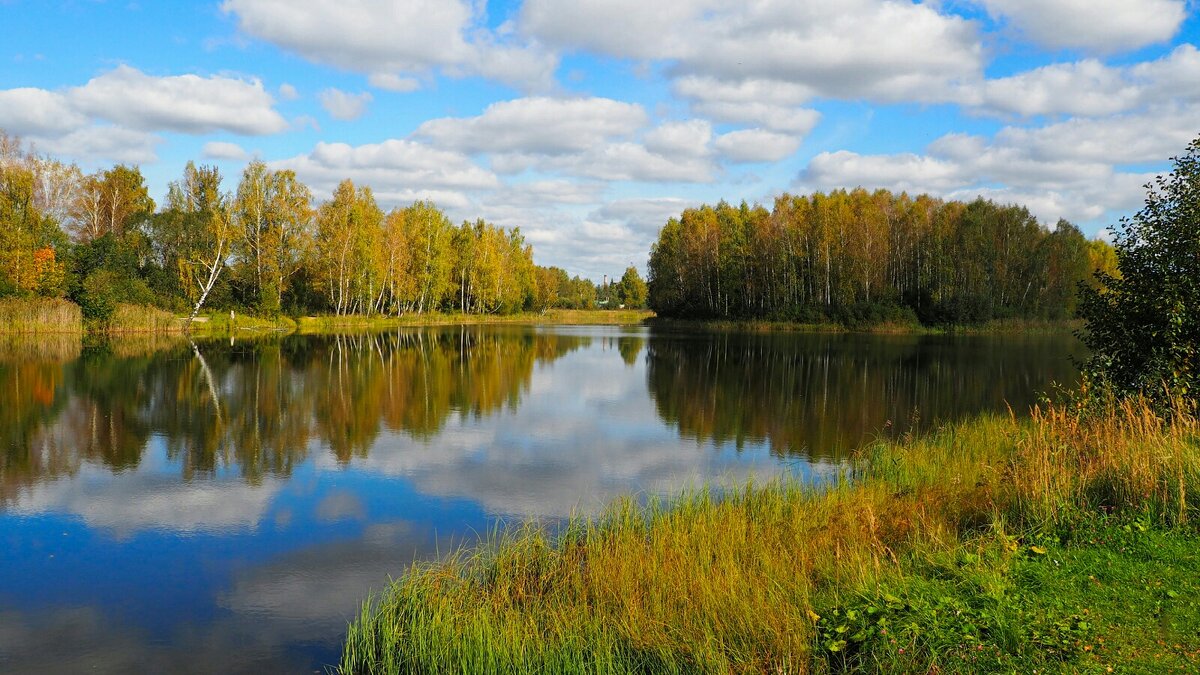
(227, 505)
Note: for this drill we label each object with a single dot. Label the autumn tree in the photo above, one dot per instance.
(197, 231)
(30, 239)
(274, 218)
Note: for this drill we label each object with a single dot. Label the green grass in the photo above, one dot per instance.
(218, 323)
(996, 544)
(320, 324)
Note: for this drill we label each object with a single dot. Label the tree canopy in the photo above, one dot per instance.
(1143, 320)
(856, 256)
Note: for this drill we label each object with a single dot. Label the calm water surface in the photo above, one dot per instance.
(225, 507)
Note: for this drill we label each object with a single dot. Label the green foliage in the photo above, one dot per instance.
(631, 290)
(99, 295)
(858, 256)
(1143, 323)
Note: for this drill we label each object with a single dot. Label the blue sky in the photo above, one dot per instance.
(589, 122)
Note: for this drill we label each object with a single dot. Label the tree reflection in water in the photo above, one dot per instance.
(260, 407)
(256, 406)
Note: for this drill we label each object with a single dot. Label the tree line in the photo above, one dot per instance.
(856, 256)
(265, 246)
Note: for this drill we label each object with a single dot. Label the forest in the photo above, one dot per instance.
(859, 256)
(265, 246)
(268, 247)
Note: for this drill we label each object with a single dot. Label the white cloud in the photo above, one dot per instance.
(288, 92)
(688, 138)
(540, 193)
(185, 103)
(627, 161)
(1071, 169)
(382, 36)
(583, 137)
(399, 171)
(29, 111)
(393, 82)
(880, 49)
(1091, 88)
(645, 216)
(113, 115)
(344, 106)
(756, 145)
(906, 171)
(224, 150)
(1099, 25)
(102, 143)
(537, 125)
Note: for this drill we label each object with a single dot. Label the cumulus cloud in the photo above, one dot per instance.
(592, 138)
(1092, 88)
(344, 106)
(399, 171)
(115, 115)
(386, 38)
(1071, 169)
(688, 138)
(37, 112)
(185, 103)
(288, 92)
(537, 125)
(876, 49)
(102, 143)
(628, 161)
(1098, 25)
(756, 145)
(645, 216)
(393, 82)
(224, 150)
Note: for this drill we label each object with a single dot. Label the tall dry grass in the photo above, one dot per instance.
(730, 582)
(39, 316)
(142, 319)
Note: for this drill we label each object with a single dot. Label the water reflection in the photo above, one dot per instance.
(182, 507)
(821, 395)
(259, 407)
(255, 406)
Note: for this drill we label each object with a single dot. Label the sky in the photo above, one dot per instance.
(589, 123)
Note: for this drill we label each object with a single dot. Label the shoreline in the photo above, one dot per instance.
(59, 317)
(929, 555)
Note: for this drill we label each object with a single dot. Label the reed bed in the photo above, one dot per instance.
(40, 316)
(778, 577)
(142, 319)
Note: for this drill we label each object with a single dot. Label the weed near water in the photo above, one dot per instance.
(966, 551)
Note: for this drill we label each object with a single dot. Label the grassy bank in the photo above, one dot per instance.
(560, 317)
(1055, 544)
(994, 327)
